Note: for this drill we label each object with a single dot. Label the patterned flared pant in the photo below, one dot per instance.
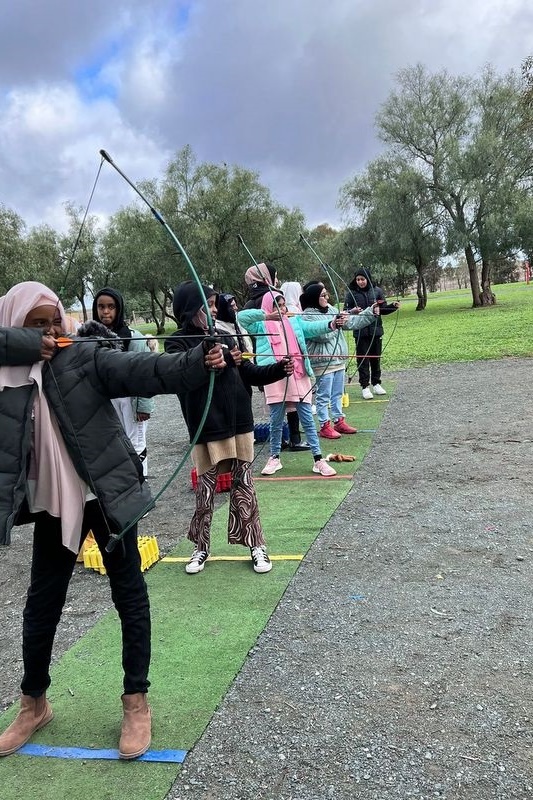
(244, 525)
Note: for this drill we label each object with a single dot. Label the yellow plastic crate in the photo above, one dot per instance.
(148, 548)
(89, 541)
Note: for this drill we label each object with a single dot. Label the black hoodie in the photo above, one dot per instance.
(230, 410)
(119, 326)
(258, 289)
(364, 298)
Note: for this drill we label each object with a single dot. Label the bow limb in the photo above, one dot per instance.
(327, 268)
(62, 342)
(337, 299)
(285, 337)
(115, 538)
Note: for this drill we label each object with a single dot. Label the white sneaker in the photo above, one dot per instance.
(378, 389)
(196, 562)
(323, 468)
(367, 393)
(260, 559)
(272, 466)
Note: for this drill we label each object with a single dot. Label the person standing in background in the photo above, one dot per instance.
(291, 291)
(260, 280)
(328, 352)
(134, 412)
(227, 321)
(368, 341)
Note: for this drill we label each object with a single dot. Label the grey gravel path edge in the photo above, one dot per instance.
(398, 662)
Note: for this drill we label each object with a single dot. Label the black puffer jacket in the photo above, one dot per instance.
(230, 410)
(364, 298)
(78, 384)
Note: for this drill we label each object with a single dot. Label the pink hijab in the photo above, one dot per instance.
(53, 483)
(14, 308)
(258, 274)
(285, 334)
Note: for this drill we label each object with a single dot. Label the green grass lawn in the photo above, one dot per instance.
(449, 329)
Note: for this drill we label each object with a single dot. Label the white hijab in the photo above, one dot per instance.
(291, 292)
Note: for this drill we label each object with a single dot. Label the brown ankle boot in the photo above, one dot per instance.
(35, 713)
(136, 733)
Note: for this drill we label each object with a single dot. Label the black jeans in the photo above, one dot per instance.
(369, 368)
(51, 571)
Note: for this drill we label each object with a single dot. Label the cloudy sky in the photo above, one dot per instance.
(288, 88)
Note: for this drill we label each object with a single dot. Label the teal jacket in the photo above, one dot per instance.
(253, 320)
(330, 349)
(138, 344)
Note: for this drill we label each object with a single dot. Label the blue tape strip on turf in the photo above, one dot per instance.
(175, 756)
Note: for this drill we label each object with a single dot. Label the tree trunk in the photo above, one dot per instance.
(154, 313)
(421, 292)
(161, 318)
(474, 278)
(81, 299)
(488, 298)
(161, 328)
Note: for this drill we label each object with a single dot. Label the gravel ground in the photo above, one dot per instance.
(398, 662)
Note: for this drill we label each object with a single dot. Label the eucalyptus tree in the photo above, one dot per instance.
(283, 246)
(527, 91)
(12, 249)
(43, 261)
(79, 255)
(320, 265)
(523, 227)
(467, 141)
(500, 163)
(214, 204)
(138, 259)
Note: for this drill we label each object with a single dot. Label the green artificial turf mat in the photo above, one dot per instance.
(203, 628)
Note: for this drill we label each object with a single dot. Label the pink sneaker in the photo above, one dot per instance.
(323, 468)
(341, 426)
(272, 466)
(327, 432)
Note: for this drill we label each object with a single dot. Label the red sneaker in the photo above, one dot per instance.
(341, 426)
(326, 431)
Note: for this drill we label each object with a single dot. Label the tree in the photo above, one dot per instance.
(139, 259)
(212, 205)
(400, 219)
(432, 276)
(527, 92)
(12, 248)
(79, 253)
(467, 142)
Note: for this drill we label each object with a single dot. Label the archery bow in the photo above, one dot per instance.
(115, 538)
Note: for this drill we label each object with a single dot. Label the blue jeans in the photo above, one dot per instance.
(329, 391)
(277, 415)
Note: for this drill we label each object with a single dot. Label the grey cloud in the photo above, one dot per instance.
(289, 88)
